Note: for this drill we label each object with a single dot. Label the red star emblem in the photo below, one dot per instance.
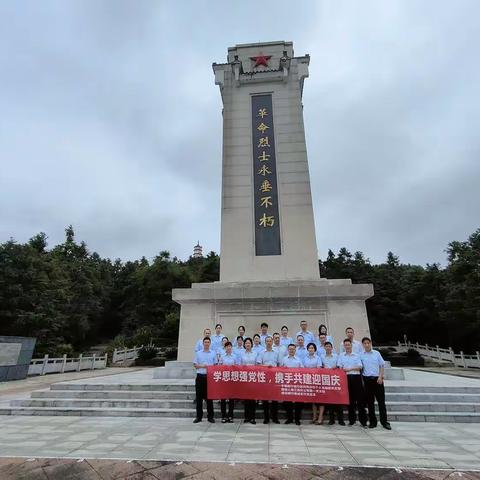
(261, 60)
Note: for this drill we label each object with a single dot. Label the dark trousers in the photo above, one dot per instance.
(290, 407)
(201, 393)
(356, 394)
(335, 409)
(270, 410)
(250, 407)
(223, 408)
(373, 391)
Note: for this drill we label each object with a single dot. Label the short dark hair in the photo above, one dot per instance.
(292, 345)
(256, 335)
(347, 340)
(320, 328)
(264, 324)
(224, 337)
(275, 333)
(322, 334)
(284, 327)
(328, 343)
(218, 325)
(248, 339)
(300, 335)
(349, 328)
(239, 337)
(206, 338)
(241, 326)
(228, 344)
(303, 321)
(366, 338)
(313, 345)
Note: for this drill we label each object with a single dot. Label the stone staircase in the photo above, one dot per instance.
(173, 399)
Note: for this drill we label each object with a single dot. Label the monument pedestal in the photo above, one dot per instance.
(336, 303)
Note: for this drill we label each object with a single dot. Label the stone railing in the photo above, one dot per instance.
(42, 366)
(121, 355)
(443, 354)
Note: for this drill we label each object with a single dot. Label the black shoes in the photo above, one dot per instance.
(197, 420)
(266, 422)
(224, 420)
(275, 420)
(253, 422)
(331, 422)
(211, 420)
(351, 423)
(288, 422)
(342, 423)
(230, 420)
(372, 425)
(297, 422)
(386, 426)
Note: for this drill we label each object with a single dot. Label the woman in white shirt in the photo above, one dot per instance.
(249, 357)
(312, 360)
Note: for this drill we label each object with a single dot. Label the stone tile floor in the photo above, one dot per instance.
(68, 469)
(408, 445)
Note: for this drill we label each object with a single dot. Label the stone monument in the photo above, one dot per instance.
(15, 356)
(268, 259)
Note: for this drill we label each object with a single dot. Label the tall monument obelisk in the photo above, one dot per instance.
(268, 259)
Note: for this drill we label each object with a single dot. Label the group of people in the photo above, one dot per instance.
(363, 365)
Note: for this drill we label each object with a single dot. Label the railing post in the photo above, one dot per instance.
(452, 355)
(114, 356)
(64, 362)
(478, 357)
(124, 354)
(44, 366)
(79, 362)
(93, 361)
(438, 352)
(462, 356)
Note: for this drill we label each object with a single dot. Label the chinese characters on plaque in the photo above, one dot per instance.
(267, 221)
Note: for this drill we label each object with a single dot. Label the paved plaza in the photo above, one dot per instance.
(444, 446)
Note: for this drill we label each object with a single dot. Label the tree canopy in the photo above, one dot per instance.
(71, 298)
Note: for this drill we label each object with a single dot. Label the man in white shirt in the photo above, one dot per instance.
(301, 351)
(269, 358)
(329, 360)
(308, 336)
(357, 347)
(202, 360)
(291, 361)
(351, 363)
(217, 339)
(199, 345)
(263, 333)
(278, 347)
(373, 375)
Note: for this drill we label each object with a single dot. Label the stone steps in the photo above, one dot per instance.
(433, 407)
(190, 413)
(190, 395)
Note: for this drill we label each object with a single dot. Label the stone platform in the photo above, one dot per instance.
(421, 397)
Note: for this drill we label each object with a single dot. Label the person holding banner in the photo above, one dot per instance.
(373, 374)
(329, 360)
(269, 358)
(203, 358)
(291, 361)
(285, 340)
(249, 357)
(228, 358)
(351, 363)
(312, 360)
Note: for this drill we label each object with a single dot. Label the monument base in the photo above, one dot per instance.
(336, 303)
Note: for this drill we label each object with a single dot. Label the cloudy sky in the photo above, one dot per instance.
(110, 120)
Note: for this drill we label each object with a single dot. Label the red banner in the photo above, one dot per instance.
(312, 385)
